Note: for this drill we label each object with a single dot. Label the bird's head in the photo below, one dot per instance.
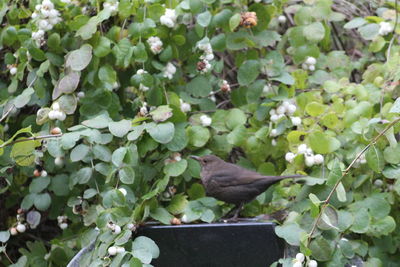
(206, 160)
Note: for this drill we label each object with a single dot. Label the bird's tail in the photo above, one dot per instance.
(279, 178)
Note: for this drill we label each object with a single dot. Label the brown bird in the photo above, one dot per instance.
(233, 184)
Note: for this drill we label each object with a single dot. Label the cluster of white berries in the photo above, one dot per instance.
(298, 261)
(56, 113)
(156, 45)
(20, 227)
(204, 65)
(385, 28)
(309, 157)
(225, 87)
(131, 227)
(46, 16)
(113, 250)
(169, 18)
(62, 222)
(360, 160)
(287, 107)
(141, 86)
(169, 71)
(205, 120)
(115, 228)
(13, 69)
(112, 6)
(185, 107)
(309, 64)
(144, 110)
(122, 190)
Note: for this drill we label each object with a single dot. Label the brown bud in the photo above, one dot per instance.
(36, 173)
(201, 65)
(175, 221)
(248, 19)
(55, 130)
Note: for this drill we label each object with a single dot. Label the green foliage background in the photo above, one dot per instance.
(109, 141)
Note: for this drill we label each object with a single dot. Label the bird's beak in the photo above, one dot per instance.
(195, 158)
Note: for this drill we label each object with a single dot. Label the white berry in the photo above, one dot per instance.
(21, 228)
(53, 114)
(63, 225)
(274, 132)
(312, 263)
(318, 159)
(300, 257)
(120, 249)
(112, 250)
(311, 67)
(311, 61)
(272, 112)
(281, 109)
(297, 264)
(59, 161)
(117, 229)
(296, 121)
(61, 116)
(282, 19)
(131, 226)
(273, 142)
(291, 109)
(289, 157)
(310, 161)
(13, 71)
(43, 173)
(13, 231)
(123, 191)
(302, 149)
(274, 118)
(378, 182)
(81, 94)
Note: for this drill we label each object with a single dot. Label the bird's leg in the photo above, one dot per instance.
(236, 214)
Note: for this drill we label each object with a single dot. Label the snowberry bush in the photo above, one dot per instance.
(103, 102)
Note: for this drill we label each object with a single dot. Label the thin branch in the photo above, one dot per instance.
(345, 172)
(7, 113)
(31, 139)
(8, 257)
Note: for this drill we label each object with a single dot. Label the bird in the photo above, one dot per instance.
(233, 184)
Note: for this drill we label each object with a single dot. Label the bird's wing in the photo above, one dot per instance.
(236, 176)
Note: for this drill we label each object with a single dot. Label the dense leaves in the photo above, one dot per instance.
(101, 105)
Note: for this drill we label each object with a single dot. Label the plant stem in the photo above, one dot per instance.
(345, 172)
(32, 138)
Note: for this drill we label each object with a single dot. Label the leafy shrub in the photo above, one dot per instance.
(103, 101)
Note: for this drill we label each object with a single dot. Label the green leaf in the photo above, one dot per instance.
(175, 168)
(234, 21)
(162, 133)
(315, 109)
(59, 185)
(78, 59)
(235, 118)
(198, 135)
(375, 159)
(83, 175)
(361, 221)
(39, 184)
(341, 192)
(369, 31)
(42, 201)
(24, 98)
(177, 204)
(248, 72)
(396, 106)
(314, 32)
(355, 23)
(199, 87)
(204, 19)
(66, 85)
(102, 153)
(120, 128)
(322, 249)
(322, 143)
(237, 136)
(143, 246)
(161, 215)
(118, 156)
(4, 236)
(161, 113)
(335, 174)
(127, 175)
(291, 232)
(79, 152)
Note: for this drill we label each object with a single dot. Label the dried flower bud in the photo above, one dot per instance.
(248, 19)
